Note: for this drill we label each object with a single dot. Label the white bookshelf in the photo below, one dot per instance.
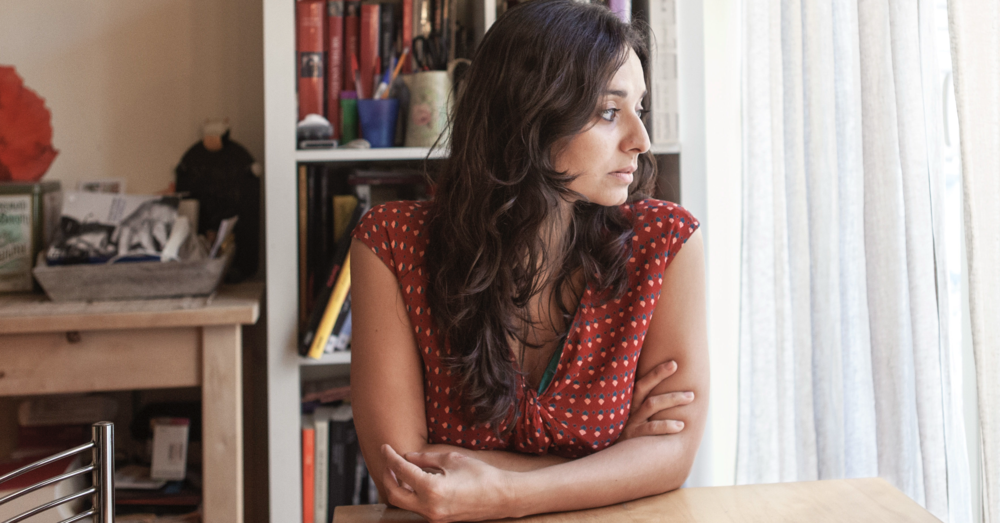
(330, 358)
(285, 367)
(360, 155)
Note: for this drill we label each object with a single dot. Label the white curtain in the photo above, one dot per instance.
(844, 361)
(975, 47)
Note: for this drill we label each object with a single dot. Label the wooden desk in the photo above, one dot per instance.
(59, 347)
(833, 501)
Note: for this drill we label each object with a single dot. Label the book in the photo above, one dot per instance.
(406, 34)
(386, 35)
(344, 452)
(332, 309)
(324, 245)
(312, 220)
(308, 470)
(664, 109)
(334, 62)
(321, 422)
(307, 336)
(368, 48)
(303, 244)
(309, 27)
(338, 339)
(343, 209)
(352, 42)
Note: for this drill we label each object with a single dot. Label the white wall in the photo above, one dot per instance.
(129, 82)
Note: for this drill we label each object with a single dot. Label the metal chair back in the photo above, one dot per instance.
(101, 468)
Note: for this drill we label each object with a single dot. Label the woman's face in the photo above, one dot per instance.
(605, 154)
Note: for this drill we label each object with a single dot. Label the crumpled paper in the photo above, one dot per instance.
(25, 131)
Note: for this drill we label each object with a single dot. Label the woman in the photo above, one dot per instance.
(553, 285)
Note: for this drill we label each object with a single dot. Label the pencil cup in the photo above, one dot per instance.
(378, 121)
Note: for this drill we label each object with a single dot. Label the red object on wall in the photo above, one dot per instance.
(25, 131)
(310, 19)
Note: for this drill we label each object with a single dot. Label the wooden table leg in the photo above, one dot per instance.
(222, 422)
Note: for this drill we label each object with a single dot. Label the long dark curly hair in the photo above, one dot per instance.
(538, 77)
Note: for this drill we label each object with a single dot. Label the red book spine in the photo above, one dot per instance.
(334, 59)
(309, 20)
(308, 475)
(408, 35)
(352, 32)
(369, 47)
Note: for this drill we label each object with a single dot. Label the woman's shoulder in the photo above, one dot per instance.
(652, 210)
(660, 226)
(394, 231)
(400, 210)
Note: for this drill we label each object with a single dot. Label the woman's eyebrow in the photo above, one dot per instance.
(621, 94)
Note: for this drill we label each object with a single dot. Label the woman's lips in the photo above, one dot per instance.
(624, 176)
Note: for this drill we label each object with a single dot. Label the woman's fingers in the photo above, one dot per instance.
(427, 460)
(397, 495)
(405, 472)
(661, 402)
(646, 384)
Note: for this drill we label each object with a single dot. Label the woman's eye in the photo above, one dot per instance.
(610, 114)
(641, 112)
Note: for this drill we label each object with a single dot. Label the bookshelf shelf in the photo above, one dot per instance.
(355, 155)
(332, 358)
(665, 148)
(285, 368)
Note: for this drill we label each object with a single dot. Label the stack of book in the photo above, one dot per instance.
(331, 204)
(347, 46)
(333, 470)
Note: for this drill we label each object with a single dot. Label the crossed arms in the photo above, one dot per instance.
(446, 483)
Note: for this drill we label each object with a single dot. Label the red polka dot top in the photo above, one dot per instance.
(585, 406)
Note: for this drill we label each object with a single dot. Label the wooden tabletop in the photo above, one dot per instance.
(869, 499)
(35, 313)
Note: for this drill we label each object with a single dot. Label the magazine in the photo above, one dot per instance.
(105, 227)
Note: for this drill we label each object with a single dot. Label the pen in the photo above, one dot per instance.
(383, 86)
(357, 76)
(399, 66)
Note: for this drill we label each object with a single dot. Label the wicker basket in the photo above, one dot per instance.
(127, 281)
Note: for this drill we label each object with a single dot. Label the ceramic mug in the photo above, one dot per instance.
(430, 104)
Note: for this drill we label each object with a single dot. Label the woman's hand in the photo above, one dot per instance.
(644, 406)
(445, 486)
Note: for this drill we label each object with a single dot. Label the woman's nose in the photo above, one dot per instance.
(636, 138)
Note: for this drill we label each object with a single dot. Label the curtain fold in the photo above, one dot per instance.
(844, 368)
(975, 48)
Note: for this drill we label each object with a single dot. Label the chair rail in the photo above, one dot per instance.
(51, 459)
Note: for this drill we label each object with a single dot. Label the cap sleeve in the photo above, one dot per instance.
(374, 231)
(662, 228)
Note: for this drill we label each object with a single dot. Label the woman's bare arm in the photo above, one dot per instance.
(387, 388)
(650, 465)
(642, 466)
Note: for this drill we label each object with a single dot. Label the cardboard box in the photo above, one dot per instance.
(170, 442)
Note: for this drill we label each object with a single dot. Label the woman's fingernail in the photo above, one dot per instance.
(680, 424)
(689, 395)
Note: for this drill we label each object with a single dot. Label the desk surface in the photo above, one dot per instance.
(870, 499)
(35, 313)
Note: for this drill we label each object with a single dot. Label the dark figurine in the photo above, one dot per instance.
(222, 175)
